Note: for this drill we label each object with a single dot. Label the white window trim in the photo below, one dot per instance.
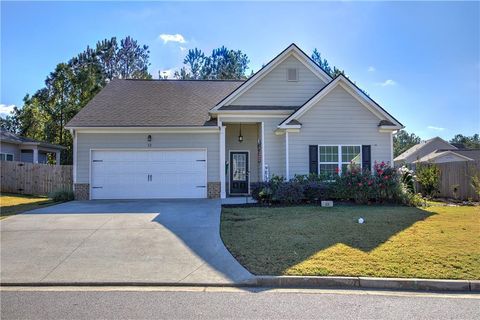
(339, 163)
(8, 154)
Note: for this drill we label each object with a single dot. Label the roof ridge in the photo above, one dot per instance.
(184, 80)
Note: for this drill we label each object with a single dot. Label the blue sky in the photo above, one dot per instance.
(419, 60)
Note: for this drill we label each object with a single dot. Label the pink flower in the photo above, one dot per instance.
(360, 184)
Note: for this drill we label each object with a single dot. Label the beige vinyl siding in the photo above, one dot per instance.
(338, 119)
(274, 145)
(274, 89)
(87, 141)
(10, 148)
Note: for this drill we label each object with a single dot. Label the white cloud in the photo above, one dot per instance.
(6, 110)
(387, 83)
(172, 38)
(167, 73)
(371, 69)
(436, 128)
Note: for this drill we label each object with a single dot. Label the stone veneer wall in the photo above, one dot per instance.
(213, 190)
(81, 191)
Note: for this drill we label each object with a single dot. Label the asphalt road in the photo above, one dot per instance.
(229, 303)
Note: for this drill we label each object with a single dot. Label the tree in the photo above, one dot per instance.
(472, 142)
(72, 85)
(222, 64)
(132, 60)
(323, 63)
(194, 60)
(403, 141)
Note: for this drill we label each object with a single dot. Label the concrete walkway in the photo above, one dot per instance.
(156, 241)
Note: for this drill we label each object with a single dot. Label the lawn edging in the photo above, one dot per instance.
(368, 283)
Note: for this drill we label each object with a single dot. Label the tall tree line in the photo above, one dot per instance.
(221, 64)
(71, 85)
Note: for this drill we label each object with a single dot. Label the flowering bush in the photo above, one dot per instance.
(384, 184)
(407, 177)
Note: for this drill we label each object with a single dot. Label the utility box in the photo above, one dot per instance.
(327, 203)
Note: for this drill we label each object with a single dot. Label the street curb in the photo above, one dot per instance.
(127, 284)
(288, 282)
(368, 283)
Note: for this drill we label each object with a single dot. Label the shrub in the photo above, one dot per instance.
(290, 192)
(61, 195)
(428, 176)
(407, 177)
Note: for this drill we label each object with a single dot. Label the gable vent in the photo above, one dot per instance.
(292, 74)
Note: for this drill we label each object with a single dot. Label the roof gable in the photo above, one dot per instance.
(354, 91)
(435, 155)
(437, 142)
(291, 52)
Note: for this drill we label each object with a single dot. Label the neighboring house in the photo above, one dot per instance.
(198, 139)
(442, 156)
(17, 148)
(422, 149)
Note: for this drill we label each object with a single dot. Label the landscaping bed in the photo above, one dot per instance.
(395, 241)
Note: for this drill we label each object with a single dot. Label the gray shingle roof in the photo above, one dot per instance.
(153, 103)
(235, 107)
(13, 138)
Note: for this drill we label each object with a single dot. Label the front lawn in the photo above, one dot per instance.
(395, 241)
(11, 204)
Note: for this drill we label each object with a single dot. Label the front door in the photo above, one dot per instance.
(239, 172)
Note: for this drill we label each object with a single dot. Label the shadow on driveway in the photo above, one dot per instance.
(161, 241)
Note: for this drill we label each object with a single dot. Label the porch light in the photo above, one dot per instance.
(240, 137)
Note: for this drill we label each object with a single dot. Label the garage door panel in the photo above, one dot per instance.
(141, 174)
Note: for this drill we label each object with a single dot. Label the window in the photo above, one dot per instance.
(337, 159)
(292, 74)
(6, 157)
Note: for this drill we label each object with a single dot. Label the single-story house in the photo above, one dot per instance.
(17, 148)
(443, 156)
(214, 138)
(435, 150)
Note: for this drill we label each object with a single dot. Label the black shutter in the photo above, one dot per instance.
(313, 159)
(367, 158)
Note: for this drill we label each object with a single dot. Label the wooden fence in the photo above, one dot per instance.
(34, 178)
(458, 174)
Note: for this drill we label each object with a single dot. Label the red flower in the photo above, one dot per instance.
(337, 170)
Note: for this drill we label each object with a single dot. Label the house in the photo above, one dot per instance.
(17, 148)
(445, 155)
(198, 139)
(434, 150)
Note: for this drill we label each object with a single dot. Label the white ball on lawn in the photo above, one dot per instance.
(361, 220)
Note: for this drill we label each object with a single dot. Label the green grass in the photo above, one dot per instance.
(11, 204)
(436, 242)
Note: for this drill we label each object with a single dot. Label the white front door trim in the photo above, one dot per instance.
(230, 168)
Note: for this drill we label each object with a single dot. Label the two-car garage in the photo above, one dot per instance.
(148, 173)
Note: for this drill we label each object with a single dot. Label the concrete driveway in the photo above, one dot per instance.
(157, 241)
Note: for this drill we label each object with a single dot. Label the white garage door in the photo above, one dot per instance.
(145, 174)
